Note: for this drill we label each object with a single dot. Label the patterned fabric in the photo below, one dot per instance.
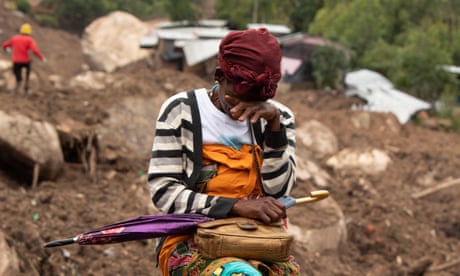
(192, 263)
(231, 267)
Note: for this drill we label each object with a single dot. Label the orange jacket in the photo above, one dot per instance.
(21, 44)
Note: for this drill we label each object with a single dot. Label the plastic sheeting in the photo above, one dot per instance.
(381, 96)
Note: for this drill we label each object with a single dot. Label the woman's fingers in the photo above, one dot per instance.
(271, 210)
(254, 111)
(267, 209)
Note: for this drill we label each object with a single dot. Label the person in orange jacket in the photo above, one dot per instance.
(20, 45)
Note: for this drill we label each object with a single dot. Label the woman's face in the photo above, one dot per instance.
(227, 96)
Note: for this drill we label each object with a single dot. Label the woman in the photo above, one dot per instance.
(202, 156)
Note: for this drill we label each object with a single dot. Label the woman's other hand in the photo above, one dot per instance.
(266, 209)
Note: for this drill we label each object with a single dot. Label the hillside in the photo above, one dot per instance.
(389, 232)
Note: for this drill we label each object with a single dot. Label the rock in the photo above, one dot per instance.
(56, 81)
(325, 231)
(320, 141)
(91, 80)
(25, 143)
(128, 121)
(9, 80)
(5, 64)
(361, 120)
(308, 170)
(369, 161)
(112, 41)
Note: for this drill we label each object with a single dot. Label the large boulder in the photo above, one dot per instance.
(128, 122)
(321, 227)
(368, 161)
(25, 143)
(319, 140)
(5, 64)
(307, 170)
(112, 41)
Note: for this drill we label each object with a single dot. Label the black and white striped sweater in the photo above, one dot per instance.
(176, 159)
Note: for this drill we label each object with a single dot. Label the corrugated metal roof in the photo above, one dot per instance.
(149, 41)
(185, 30)
(200, 23)
(213, 22)
(197, 51)
(191, 33)
(381, 96)
(272, 28)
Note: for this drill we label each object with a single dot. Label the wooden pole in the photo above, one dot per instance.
(436, 188)
(36, 175)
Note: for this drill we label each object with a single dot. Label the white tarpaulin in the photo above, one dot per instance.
(381, 96)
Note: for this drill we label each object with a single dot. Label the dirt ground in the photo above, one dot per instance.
(388, 231)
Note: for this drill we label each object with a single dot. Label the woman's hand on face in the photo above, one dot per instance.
(242, 110)
(266, 209)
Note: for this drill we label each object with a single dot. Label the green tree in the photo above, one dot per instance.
(407, 41)
(381, 57)
(23, 5)
(355, 24)
(421, 59)
(303, 13)
(77, 14)
(328, 65)
(238, 12)
(182, 10)
(241, 12)
(456, 47)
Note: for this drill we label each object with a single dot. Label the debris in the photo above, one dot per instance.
(444, 266)
(420, 267)
(437, 188)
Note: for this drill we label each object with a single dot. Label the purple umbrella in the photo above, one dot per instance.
(155, 226)
(142, 227)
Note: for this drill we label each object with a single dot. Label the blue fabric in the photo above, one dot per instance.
(236, 269)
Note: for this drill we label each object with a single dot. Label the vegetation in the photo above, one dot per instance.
(328, 62)
(407, 41)
(77, 14)
(23, 5)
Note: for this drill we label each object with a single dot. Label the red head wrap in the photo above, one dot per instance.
(251, 60)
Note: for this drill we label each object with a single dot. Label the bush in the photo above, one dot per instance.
(47, 20)
(23, 6)
(328, 64)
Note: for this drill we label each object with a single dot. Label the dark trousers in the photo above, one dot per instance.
(17, 69)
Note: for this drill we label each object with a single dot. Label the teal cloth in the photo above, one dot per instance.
(238, 268)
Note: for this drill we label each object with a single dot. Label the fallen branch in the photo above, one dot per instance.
(444, 266)
(436, 188)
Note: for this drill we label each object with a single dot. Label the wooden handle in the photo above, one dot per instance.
(314, 196)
